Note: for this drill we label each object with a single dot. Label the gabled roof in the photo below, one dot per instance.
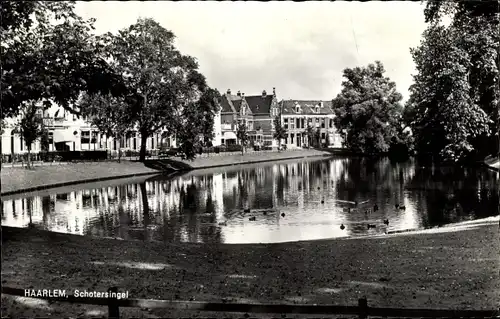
(237, 105)
(306, 107)
(226, 105)
(259, 103)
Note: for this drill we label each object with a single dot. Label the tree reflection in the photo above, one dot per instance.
(145, 210)
(456, 194)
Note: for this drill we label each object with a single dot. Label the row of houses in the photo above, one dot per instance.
(259, 111)
(67, 131)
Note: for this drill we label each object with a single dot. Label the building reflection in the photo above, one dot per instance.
(314, 195)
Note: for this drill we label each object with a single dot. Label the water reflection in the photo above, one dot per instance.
(316, 197)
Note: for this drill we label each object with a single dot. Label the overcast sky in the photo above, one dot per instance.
(300, 48)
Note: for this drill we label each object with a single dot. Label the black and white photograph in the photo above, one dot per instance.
(250, 159)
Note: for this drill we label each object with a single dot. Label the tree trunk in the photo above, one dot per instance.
(142, 153)
(29, 157)
(119, 149)
(145, 209)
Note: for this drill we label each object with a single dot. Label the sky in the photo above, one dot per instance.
(300, 48)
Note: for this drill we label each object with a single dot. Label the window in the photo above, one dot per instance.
(94, 137)
(51, 137)
(298, 123)
(85, 139)
(286, 123)
(317, 109)
(291, 138)
(323, 135)
(297, 109)
(322, 123)
(22, 142)
(302, 121)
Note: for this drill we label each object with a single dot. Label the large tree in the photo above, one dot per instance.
(49, 54)
(446, 117)
(279, 131)
(455, 95)
(194, 128)
(242, 135)
(163, 86)
(369, 109)
(31, 127)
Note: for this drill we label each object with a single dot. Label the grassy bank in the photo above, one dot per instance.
(216, 160)
(17, 179)
(448, 270)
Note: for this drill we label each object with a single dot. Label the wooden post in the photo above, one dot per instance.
(363, 308)
(113, 310)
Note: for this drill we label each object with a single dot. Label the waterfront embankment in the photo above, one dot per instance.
(17, 179)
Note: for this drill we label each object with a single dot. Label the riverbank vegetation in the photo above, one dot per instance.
(453, 109)
(454, 99)
(369, 113)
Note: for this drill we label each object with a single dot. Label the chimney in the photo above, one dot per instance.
(264, 93)
(274, 91)
(228, 91)
(239, 93)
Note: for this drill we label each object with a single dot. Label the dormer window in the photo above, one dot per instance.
(317, 109)
(297, 109)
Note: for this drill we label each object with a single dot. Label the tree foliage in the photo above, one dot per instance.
(49, 53)
(195, 127)
(454, 98)
(242, 135)
(279, 131)
(164, 90)
(369, 109)
(109, 114)
(106, 112)
(31, 126)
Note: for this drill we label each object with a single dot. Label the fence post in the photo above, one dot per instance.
(113, 310)
(363, 308)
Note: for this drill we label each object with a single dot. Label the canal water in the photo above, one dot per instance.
(264, 203)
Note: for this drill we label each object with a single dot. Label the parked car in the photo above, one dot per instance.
(169, 152)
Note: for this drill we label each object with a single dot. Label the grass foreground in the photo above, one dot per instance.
(442, 270)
